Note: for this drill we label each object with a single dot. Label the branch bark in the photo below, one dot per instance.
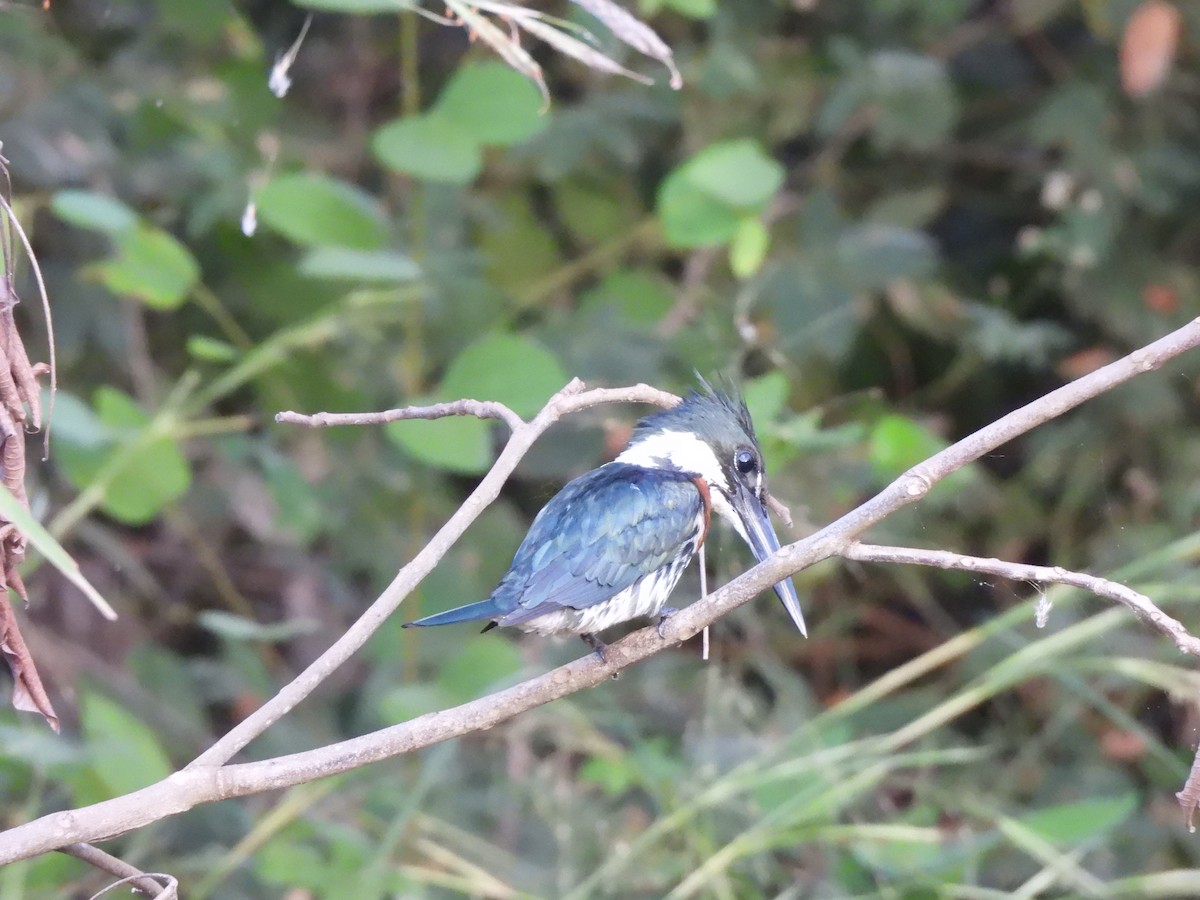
(1101, 587)
(146, 882)
(208, 778)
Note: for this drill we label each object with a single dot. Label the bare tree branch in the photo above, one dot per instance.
(206, 779)
(480, 409)
(1101, 587)
(148, 883)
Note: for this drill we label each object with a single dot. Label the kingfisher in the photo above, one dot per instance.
(613, 543)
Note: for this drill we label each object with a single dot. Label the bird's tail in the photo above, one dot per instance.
(472, 612)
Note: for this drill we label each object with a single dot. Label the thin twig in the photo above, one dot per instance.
(480, 409)
(1101, 587)
(148, 883)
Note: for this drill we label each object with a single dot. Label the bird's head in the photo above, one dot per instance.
(710, 435)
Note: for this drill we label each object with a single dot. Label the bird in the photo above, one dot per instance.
(611, 545)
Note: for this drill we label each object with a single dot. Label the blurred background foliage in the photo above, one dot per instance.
(893, 220)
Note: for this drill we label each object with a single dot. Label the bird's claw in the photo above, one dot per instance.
(596, 644)
(665, 613)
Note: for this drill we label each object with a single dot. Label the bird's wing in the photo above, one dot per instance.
(598, 536)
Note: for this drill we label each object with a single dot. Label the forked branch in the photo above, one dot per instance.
(210, 778)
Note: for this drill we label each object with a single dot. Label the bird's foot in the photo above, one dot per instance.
(596, 644)
(663, 614)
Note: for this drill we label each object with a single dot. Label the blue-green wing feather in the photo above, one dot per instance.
(598, 536)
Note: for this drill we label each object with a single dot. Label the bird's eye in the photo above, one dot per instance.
(745, 462)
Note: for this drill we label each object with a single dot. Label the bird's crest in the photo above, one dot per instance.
(713, 409)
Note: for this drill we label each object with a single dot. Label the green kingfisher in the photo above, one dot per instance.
(612, 544)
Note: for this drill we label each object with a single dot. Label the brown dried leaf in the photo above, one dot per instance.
(637, 34)
(28, 694)
(577, 49)
(1148, 46)
(510, 51)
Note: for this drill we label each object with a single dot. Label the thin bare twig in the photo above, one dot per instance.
(207, 780)
(480, 409)
(148, 883)
(1101, 587)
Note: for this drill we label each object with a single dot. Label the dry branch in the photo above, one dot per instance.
(208, 778)
(148, 883)
(1101, 587)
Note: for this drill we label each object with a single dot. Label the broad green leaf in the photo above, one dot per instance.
(76, 423)
(898, 443)
(691, 218)
(1073, 823)
(151, 266)
(126, 754)
(491, 103)
(379, 266)
(738, 173)
(481, 662)
(505, 367)
(706, 200)
(319, 211)
(429, 148)
(455, 443)
(97, 212)
(149, 474)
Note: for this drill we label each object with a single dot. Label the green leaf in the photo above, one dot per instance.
(738, 173)
(377, 266)
(96, 212)
(480, 664)
(707, 199)
(318, 211)
(147, 473)
(151, 266)
(76, 423)
(239, 628)
(456, 443)
(126, 755)
(209, 349)
(492, 104)
(357, 6)
(1074, 823)
(690, 218)
(429, 148)
(639, 297)
(765, 397)
(749, 248)
(505, 367)
(898, 443)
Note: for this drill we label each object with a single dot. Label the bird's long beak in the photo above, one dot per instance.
(762, 540)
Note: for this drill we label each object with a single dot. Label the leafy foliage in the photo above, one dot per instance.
(895, 221)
